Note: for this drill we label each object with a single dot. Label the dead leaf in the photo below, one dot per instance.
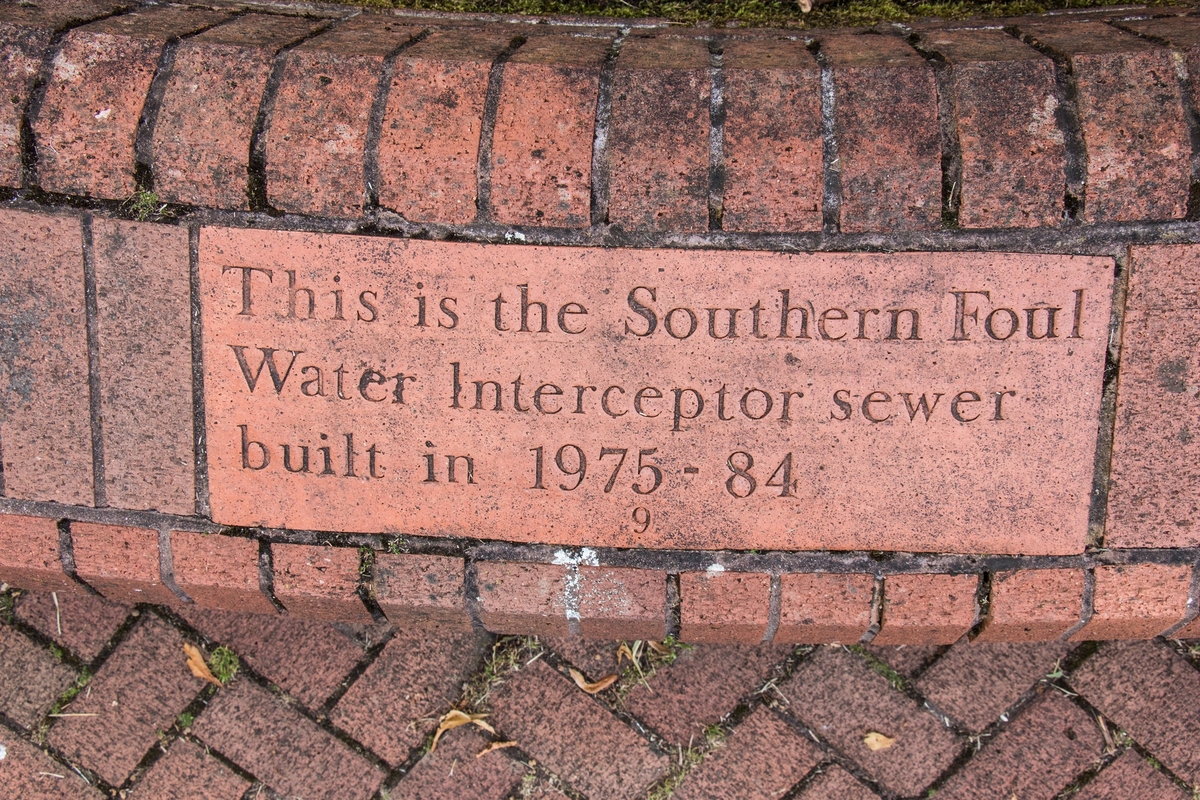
(592, 688)
(494, 746)
(195, 662)
(624, 652)
(455, 718)
(877, 741)
(658, 647)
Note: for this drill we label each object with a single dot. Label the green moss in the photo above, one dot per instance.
(185, 720)
(880, 666)
(146, 207)
(224, 664)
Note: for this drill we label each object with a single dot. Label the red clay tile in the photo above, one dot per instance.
(522, 598)
(452, 770)
(421, 590)
(26, 771)
(29, 556)
(1137, 601)
(138, 692)
(317, 582)
(81, 622)
(724, 607)
(188, 773)
(1033, 605)
(836, 784)
(288, 752)
(219, 572)
(31, 679)
(143, 300)
(612, 762)
(658, 135)
(120, 562)
(47, 423)
(839, 697)
(822, 608)
(1131, 778)
(927, 609)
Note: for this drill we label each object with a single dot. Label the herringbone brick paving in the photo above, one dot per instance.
(96, 700)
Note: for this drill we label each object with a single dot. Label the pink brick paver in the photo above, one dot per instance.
(82, 623)
(187, 772)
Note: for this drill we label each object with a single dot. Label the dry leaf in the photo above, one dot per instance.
(659, 648)
(195, 662)
(494, 746)
(877, 741)
(592, 688)
(455, 718)
(624, 652)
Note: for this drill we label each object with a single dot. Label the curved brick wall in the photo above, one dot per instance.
(1060, 135)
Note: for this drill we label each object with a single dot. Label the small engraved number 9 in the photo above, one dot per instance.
(641, 516)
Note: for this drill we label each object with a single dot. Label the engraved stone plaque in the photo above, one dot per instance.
(655, 398)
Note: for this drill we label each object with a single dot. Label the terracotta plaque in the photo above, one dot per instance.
(655, 398)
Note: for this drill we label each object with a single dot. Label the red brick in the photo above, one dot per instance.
(658, 135)
(927, 609)
(31, 679)
(219, 572)
(1036, 756)
(1144, 687)
(523, 598)
(429, 150)
(1189, 631)
(86, 127)
(614, 763)
(1033, 605)
(762, 759)
(724, 606)
(202, 136)
(421, 590)
(188, 773)
(1131, 778)
(1131, 111)
(138, 692)
(453, 771)
(545, 124)
(144, 330)
(1137, 601)
(1153, 501)
(414, 681)
(773, 149)
(1006, 103)
(29, 556)
(82, 623)
(885, 121)
(975, 683)
(46, 430)
(317, 582)
(700, 687)
(306, 659)
(616, 603)
(120, 562)
(26, 771)
(823, 608)
(837, 695)
(836, 784)
(316, 137)
(907, 659)
(1182, 33)
(594, 658)
(288, 752)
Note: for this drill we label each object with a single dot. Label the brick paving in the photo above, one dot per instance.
(105, 707)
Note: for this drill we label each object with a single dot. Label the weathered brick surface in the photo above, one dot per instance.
(454, 771)
(927, 609)
(762, 759)
(975, 683)
(1182, 33)
(1131, 110)
(187, 772)
(26, 771)
(522, 598)
(316, 136)
(29, 556)
(1033, 605)
(615, 763)
(835, 783)
(202, 137)
(87, 124)
(319, 582)
(1036, 756)
(821, 608)
(593, 657)
(31, 679)
(287, 751)
(120, 562)
(658, 135)
(839, 697)
(140, 690)
(144, 331)
(429, 150)
(44, 417)
(622, 603)
(421, 590)
(724, 606)
(1013, 155)
(1137, 601)
(545, 124)
(219, 572)
(907, 659)
(1131, 778)
(396, 703)
(82, 623)
(885, 120)
(1138, 685)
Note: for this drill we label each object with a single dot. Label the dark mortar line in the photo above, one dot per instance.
(143, 143)
(369, 657)
(1144, 753)
(487, 130)
(43, 640)
(199, 420)
(909, 687)
(364, 590)
(952, 176)
(66, 552)
(1106, 425)
(372, 177)
(716, 135)
(831, 194)
(1193, 605)
(1088, 774)
(1087, 606)
(3, 485)
(833, 755)
(166, 565)
(266, 574)
(674, 606)
(93, 780)
(773, 609)
(876, 612)
(1070, 124)
(472, 601)
(808, 779)
(600, 133)
(211, 752)
(165, 740)
(99, 487)
(983, 603)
